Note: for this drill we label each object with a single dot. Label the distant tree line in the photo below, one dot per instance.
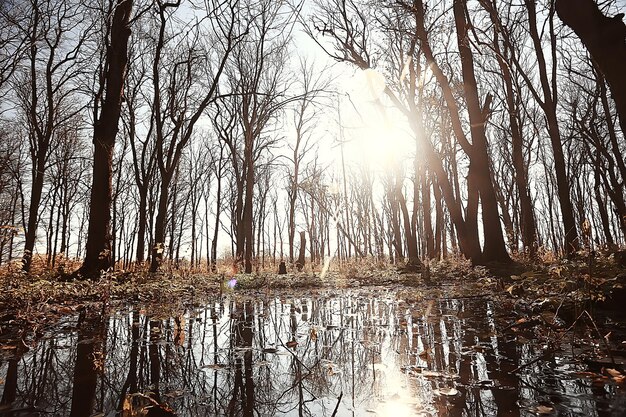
(134, 132)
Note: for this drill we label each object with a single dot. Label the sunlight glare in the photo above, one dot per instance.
(395, 408)
(370, 83)
(396, 394)
(385, 143)
(379, 135)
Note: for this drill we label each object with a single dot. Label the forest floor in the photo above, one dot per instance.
(557, 321)
(30, 303)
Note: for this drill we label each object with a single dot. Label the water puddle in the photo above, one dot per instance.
(334, 353)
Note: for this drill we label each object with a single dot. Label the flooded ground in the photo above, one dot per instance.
(368, 352)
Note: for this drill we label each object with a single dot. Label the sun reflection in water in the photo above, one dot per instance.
(395, 408)
(395, 391)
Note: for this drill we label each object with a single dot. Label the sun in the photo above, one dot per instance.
(377, 133)
(385, 142)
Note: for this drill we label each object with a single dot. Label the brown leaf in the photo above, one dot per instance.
(543, 409)
(127, 406)
(424, 355)
(451, 392)
(585, 374)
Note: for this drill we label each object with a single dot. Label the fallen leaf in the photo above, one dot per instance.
(174, 394)
(380, 366)
(127, 408)
(450, 392)
(543, 409)
(424, 355)
(585, 374)
(215, 366)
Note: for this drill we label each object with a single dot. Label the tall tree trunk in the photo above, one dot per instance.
(440, 228)
(466, 228)
(610, 125)
(604, 217)
(247, 218)
(217, 222)
(238, 227)
(548, 104)
(527, 217)
(397, 233)
(293, 196)
(142, 220)
(301, 256)
(57, 227)
(158, 247)
(494, 245)
(426, 210)
(33, 213)
(413, 260)
(194, 215)
(98, 246)
(65, 224)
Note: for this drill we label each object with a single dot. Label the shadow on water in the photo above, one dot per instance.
(343, 353)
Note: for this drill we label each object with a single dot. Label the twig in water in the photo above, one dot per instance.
(524, 365)
(337, 406)
(606, 345)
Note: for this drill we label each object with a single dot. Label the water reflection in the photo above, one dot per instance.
(353, 353)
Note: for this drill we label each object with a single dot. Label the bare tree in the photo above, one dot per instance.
(141, 142)
(305, 113)
(185, 77)
(260, 92)
(513, 102)
(11, 166)
(47, 88)
(605, 38)
(13, 42)
(106, 112)
(546, 96)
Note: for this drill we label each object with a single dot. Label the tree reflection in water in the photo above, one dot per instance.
(91, 330)
(297, 355)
